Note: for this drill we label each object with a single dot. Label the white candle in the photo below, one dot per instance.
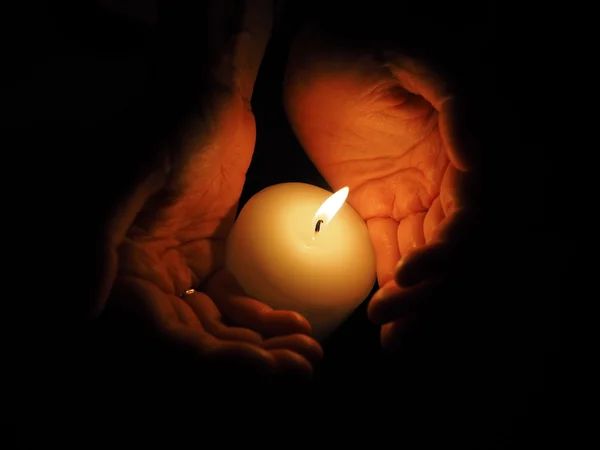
(298, 247)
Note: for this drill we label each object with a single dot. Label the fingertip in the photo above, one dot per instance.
(373, 312)
(421, 264)
(392, 334)
(286, 322)
(299, 343)
(301, 324)
(378, 309)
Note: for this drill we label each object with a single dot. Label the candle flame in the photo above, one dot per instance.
(331, 206)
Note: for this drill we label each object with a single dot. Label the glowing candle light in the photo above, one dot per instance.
(298, 247)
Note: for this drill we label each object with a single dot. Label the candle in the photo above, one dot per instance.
(298, 247)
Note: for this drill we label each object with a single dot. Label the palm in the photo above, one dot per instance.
(363, 126)
(181, 244)
(177, 240)
(386, 127)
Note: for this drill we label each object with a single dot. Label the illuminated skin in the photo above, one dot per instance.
(385, 129)
(172, 246)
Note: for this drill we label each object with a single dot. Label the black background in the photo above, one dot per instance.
(485, 373)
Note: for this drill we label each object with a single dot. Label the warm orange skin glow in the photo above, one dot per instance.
(178, 243)
(385, 130)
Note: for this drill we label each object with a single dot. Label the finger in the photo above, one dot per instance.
(455, 229)
(292, 364)
(388, 305)
(425, 263)
(246, 312)
(239, 355)
(393, 334)
(172, 320)
(432, 220)
(185, 313)
(410, 234)
(384, 236)
(299, 343)
(450, 191)
(389, 290)
(447, 248)
(212, 320)
(279, 323)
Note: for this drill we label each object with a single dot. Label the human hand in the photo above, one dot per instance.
(386, 126)
(177, 239)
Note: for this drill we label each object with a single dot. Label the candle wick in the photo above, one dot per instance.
(318, 225)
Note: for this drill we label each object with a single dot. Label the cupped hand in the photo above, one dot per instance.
(386, 126)
(177, 239)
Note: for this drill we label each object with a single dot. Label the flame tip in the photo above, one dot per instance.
(332, 205)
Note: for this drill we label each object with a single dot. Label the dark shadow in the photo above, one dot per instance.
(483, 368)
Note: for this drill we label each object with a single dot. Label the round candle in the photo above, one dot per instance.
(297, 247)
